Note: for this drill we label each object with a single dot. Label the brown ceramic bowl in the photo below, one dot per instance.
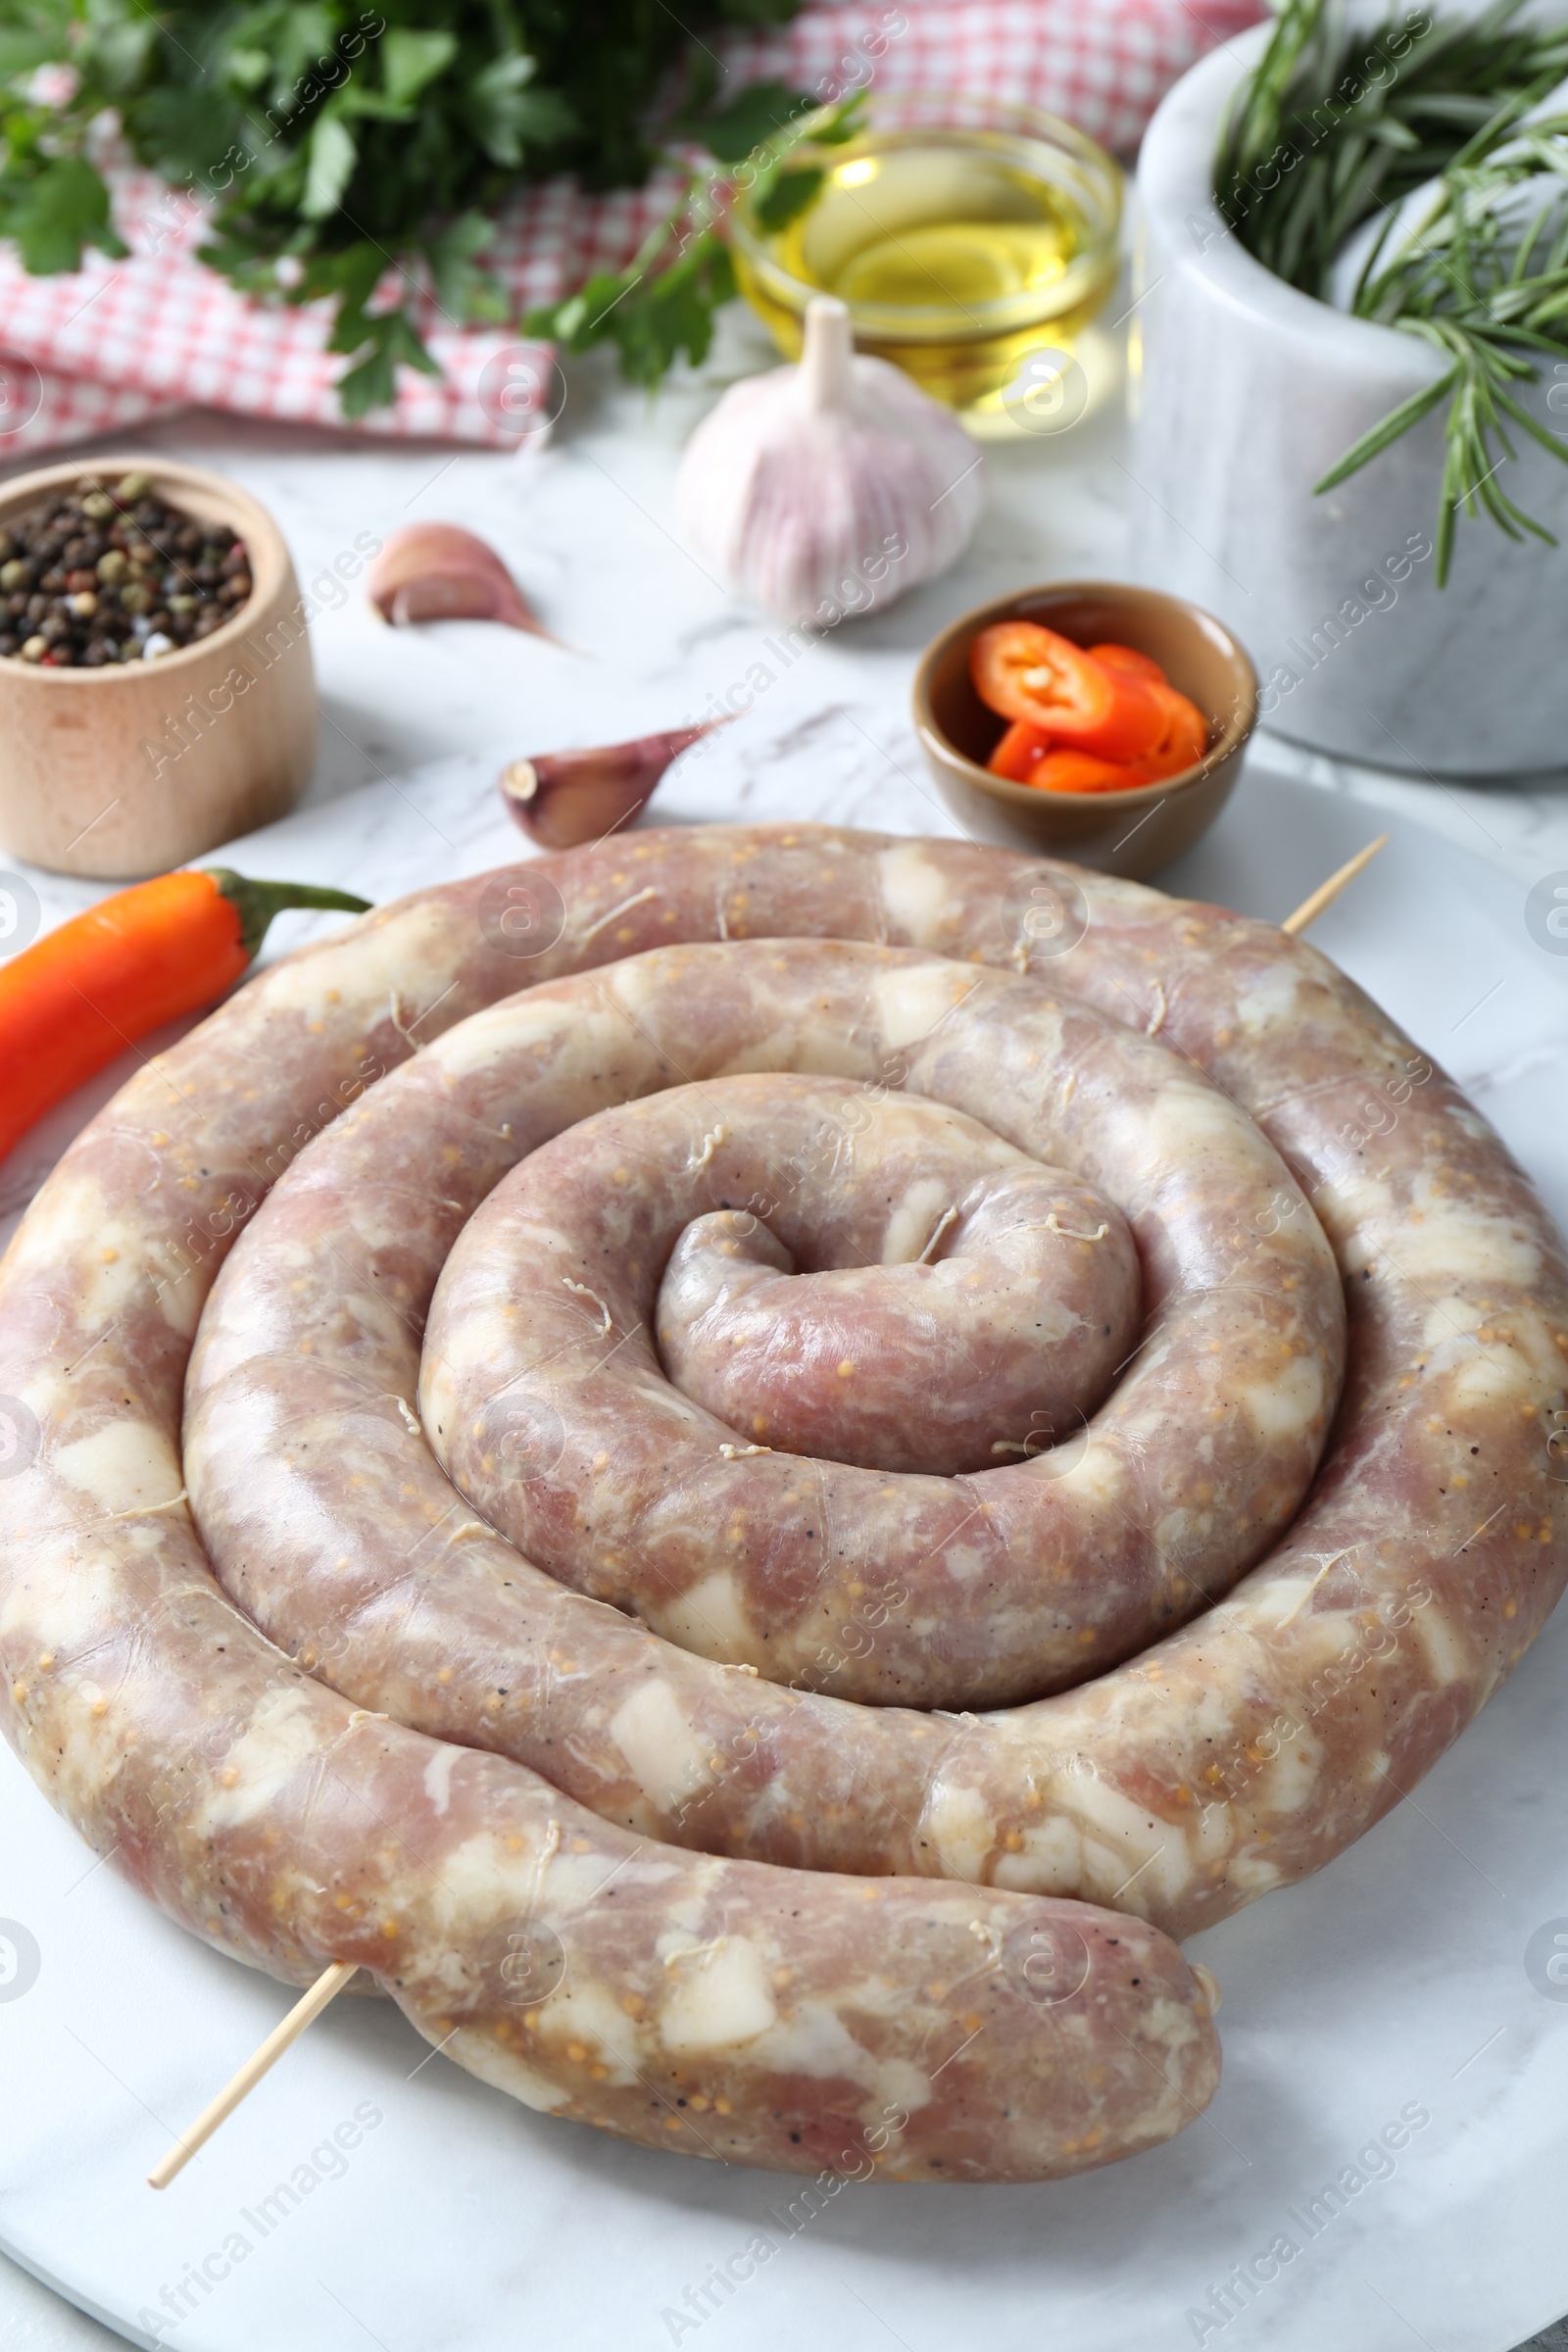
(1132, 833)
(117, 772)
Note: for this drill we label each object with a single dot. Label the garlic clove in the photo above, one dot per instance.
(829, 488)
(564, 799)
(439, 571)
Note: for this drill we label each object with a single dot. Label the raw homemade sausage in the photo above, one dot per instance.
(1046, 1570)
(689, 2000)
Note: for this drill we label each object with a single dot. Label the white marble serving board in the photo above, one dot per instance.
(1395, 1985)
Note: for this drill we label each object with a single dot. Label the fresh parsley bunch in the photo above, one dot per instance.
(337, 139)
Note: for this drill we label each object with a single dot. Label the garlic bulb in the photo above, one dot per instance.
(831, 487)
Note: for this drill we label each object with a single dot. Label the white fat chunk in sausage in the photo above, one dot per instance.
(583, 2011)
(1538, 1336)
(668, 1759)
(1351, 1209)
(720, 1998)
(114, 1273)
(1179, 1530)
(814, 2041)
(965, 1563)
(1274, 1603)
(89, 1757)
(126, 1466)
(283, 1739)
(1100, 1474)
(1324, 1639)
(1094, 1801)
(68, 1613)
(359, 975)
(683, 1904)
(1211, 1832)
(1285, 1408)
(482, 2055)
(709, 1619)
(1168, 2022)
(912, 999)
(1447, 1652)
(962, 1832)
(1448, 1241)
(1186, 1120)
(437, 1396)
(1268, 1006)
(900, 2083)
(1448, 1323)
(1141, 1844)
(438, 1777)
(821, 1047)
(1255, 1875)
(1050, 1860)
(912, 1221)
(538, 1021)
(1484, 1379)
(914, 893)
(486, 1870)
(1106, 1877)
(1290, 1781)
(70, 1205)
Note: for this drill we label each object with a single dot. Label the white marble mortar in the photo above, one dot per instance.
(1245, 393)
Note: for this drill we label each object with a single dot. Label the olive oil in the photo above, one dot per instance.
(955, 258)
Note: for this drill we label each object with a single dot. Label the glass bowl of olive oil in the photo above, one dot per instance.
(965, 235)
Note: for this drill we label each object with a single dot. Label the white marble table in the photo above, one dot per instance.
(417, 722)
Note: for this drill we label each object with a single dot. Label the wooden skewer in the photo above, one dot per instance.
(1327, 892)
(325, 1989)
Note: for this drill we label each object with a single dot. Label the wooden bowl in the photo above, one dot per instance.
(117, 772)
(1133, 833)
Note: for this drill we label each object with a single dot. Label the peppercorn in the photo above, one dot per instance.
(106, 573)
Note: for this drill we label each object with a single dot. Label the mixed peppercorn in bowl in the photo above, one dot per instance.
(107, 572)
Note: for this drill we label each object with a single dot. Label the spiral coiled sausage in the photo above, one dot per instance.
(938, 1941)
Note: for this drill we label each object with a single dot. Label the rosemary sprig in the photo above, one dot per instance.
(1331, 128)
(1487, 285)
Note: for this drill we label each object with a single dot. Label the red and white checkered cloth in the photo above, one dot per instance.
(120, 341)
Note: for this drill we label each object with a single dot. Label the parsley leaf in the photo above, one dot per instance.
(410, 60)
(788, 197)
(64, 207)
(751, 117)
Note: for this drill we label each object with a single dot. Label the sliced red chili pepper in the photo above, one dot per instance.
(1184, 737)
(1024, 671)
(1063, 770)
(1129, 659)
(1022, 747)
